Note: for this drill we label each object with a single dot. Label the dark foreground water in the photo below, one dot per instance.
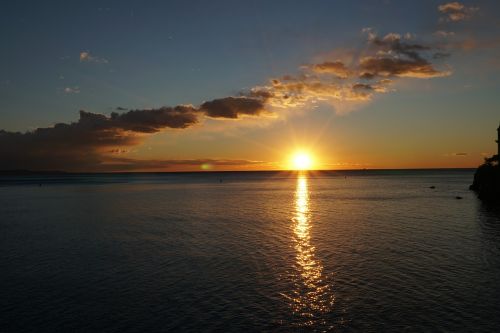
(370, 252)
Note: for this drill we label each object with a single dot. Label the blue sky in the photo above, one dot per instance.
(165, 53)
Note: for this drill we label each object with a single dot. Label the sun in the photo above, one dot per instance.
(301, 161)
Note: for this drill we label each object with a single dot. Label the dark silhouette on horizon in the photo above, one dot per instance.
(498, 141)
(487, 177)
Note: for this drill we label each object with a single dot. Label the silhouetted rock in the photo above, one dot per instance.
(487, 180)
(432, 187)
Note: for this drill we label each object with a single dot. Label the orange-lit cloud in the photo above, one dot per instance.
(336, 68)
(370, 71)
(456, 11)
(129, 164)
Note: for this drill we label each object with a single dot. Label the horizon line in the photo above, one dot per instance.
(34, 172)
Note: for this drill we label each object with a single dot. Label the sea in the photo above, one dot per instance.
(339, 251)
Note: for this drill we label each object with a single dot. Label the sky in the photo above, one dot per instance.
(244, 85)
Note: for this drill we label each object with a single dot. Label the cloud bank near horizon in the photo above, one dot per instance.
(92, 142)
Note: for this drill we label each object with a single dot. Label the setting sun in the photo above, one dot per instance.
(301, 161)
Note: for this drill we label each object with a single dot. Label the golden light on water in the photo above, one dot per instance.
(312, 297)
(311, 269)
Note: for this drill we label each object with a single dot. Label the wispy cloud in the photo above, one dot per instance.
(456, 11)
(85, 56)
(71, 90)
(444, 33)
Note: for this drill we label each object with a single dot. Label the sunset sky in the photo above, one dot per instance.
(244, 85)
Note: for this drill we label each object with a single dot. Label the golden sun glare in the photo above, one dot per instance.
(301, 161)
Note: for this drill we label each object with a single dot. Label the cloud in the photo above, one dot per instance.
(233, 107)
(130, 164)
(394, 56)
(71, 90)
(82, 145)
(456, 11)
(389, 67)
(150, 121)
(368, 87)
(92, 142)
(393, 43)
(444, 33)
(371, 70)
(85, 56)
(336, 68)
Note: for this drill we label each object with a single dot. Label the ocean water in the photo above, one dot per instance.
(366, 251)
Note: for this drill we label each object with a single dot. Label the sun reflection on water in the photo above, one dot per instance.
(312, 297)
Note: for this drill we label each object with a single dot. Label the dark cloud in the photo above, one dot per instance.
(388, 66)
(364, 90)
(362, 86)
(81, 145)
(141, 121)
(393, 43)
(394, 55)
(367, 76)
(92, 142)
(259, 94)
(151, 121)
(233, 107)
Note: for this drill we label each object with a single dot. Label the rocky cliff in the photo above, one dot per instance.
(487, 180)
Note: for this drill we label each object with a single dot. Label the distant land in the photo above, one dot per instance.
(31, 172)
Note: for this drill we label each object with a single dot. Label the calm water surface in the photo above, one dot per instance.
(355, 251)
